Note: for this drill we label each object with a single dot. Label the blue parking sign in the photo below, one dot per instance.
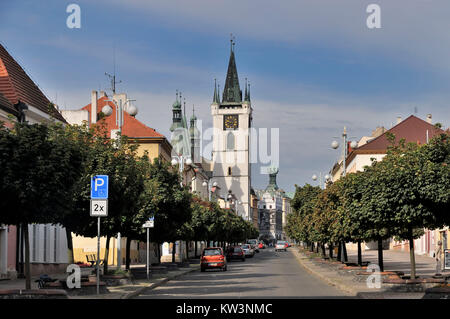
(99, 187)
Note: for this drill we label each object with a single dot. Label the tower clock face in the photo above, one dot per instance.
(230, 122)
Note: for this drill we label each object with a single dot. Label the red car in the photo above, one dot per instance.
(213, 258)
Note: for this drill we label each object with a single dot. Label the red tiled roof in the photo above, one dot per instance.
(412, 129)
(17, 86)
(131, 126)
(7, 105)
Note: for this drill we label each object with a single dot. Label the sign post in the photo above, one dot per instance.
(99, 208)
(148, 224)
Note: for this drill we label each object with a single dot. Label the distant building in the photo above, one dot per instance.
(270, 209)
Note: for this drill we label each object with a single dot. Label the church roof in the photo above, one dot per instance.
(232, 91)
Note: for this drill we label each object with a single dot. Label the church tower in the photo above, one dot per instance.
(232, 118)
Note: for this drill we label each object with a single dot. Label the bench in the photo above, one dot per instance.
(92, 259)
(44, 280)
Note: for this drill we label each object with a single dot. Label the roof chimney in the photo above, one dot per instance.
(429, 118)
(94, 107)
(399, 119)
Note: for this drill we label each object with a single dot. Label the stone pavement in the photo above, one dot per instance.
(354, 280)
(115, 292)
(133, 290)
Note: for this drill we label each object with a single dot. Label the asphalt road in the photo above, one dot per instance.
(268, 274)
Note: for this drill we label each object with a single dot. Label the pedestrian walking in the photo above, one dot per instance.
(437, 256)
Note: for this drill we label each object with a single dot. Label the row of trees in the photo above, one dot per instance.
(407, 191)
(45, 178)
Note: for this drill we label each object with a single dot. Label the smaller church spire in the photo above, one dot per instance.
(216, 94)
(249, 91)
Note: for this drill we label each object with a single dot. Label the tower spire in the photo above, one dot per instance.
(232, 91)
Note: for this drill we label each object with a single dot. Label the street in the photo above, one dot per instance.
(268, 274)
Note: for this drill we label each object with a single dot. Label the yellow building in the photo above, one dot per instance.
(147, 139)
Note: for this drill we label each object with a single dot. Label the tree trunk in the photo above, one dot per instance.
(345, 251)
(330, 251)
(105, 260)
(187, 250)
(195, 249)
(359, 253)
(174, 246)
(159, 253)
(317, 248)
(411, 255)
(380, 254)
(70, 256)
(27, 257)
(312, 247)
(323, 251)
(339, 251)
(127, 254)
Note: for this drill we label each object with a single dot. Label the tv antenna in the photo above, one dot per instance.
(112, 78)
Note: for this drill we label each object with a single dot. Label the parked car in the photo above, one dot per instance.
(236, 252)
(288, 245)
(254, 244)
(248, 250)
(280, 245)
(213, 258)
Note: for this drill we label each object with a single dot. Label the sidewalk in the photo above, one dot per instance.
(356, 281)
(133, 290)
(115, 292)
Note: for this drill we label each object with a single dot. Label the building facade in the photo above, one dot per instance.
(270, 209)
(375, 147)
(22, 100)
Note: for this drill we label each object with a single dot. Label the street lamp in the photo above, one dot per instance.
(335, 145)
(182, 160)
(322, 179)
(107, 110)
(210, 185)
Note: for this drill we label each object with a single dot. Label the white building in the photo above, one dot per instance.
(232, 119)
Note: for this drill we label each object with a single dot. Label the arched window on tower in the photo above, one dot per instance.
(230, 141)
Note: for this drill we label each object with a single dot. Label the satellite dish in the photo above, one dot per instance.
(354, 144)
(335, 144)
(314, 177)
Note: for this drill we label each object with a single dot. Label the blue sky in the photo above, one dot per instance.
(314, 66)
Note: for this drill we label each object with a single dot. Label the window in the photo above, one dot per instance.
(230, 141)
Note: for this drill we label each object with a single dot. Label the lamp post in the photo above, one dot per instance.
(181, 159)
(210, 184)
(132, 110)
(335, 145)
(323, 181)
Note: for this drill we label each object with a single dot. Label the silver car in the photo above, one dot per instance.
(248, 250)
(280, 245)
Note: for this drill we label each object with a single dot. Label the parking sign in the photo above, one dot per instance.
(99, 187)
